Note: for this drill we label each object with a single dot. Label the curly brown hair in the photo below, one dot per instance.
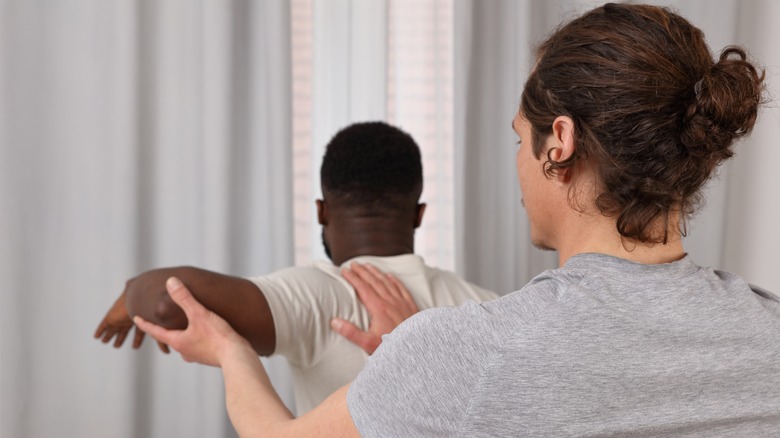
(654, 114)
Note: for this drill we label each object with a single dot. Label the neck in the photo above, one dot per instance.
(353, 236)
(598, 234)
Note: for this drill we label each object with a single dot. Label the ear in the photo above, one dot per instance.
(562, 147)
(419, 216)
(322, 212)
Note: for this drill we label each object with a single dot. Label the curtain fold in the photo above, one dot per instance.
(751, 235)
(492, 58)
(140, 134)
(134, 135)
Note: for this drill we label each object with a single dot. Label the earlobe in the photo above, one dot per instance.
(322, 212)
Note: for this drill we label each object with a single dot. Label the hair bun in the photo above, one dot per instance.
(725, 106)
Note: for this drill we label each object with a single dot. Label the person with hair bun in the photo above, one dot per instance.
(623, 119)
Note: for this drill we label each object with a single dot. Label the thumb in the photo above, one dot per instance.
(182, 296)
(353, 334)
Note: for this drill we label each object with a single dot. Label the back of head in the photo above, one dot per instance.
(654, 113)
(373, 167)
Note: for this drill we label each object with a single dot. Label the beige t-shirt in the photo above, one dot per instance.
(303, 300)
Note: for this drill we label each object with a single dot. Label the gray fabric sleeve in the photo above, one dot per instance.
(421, 379)
(404, 390)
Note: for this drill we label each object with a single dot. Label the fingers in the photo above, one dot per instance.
(404, 293)
(375, 278)
(106, 332)
(378, 290)
(385, 286)
(101, 329)
(117, 335)
(367, 341)
(107, 335)
(364, 290)
(163, 347)
(138, 339)
(159, 333)
(120, 338)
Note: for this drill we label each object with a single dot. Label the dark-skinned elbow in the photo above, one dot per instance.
(169, 315)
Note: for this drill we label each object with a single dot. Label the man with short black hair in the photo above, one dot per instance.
(371, 178)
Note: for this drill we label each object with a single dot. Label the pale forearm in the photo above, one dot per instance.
(253, 405)
(257, 411)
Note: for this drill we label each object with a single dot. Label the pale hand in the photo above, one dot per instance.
(386, 299)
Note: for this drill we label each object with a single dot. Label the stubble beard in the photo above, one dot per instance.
(535, 241)
(326, 246)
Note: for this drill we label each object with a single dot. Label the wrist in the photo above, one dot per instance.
(235, 348)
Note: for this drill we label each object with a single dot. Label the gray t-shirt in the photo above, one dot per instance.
(600, 347)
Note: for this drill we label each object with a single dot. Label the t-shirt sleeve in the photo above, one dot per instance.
(302, 302)
(420, 379)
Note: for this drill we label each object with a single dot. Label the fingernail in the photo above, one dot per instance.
(336, 324)
(174, 283)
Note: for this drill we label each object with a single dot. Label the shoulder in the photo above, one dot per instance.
(302, 279)
(429, 369)
(750, 294)
(476, 327)
(318, 287)
(483, 324)
(430, 366)
(456, 286)
(419, 379)
(302, 301)
(551, 288)
(431, 287)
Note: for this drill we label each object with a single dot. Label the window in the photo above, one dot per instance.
(417, 95)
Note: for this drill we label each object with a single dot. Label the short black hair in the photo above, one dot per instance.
(374, 166)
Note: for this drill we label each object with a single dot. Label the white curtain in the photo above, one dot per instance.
(134, 135)
(492, 59)
(358, 60)
(750, 233)
(340, 78)
(493, 55)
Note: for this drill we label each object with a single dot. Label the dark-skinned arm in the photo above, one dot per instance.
(253, 405)
(235, 299)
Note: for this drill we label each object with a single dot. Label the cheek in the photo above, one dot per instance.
(523, 170)
(520, 168)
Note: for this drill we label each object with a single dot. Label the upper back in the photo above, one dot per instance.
(688, 352)
(429, 286)
(602, 346)
(303, 300)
